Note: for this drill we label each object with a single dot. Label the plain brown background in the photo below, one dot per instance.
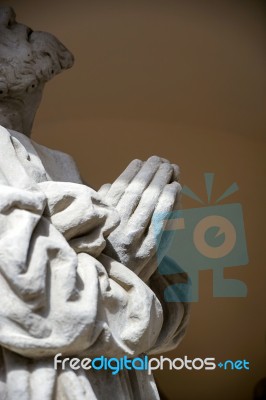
(184, 80)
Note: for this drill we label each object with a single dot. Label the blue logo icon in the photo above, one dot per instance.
(204, 238)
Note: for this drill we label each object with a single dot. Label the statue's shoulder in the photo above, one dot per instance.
(5, 137)
(58, 165)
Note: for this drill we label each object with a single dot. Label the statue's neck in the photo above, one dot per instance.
(18, 114)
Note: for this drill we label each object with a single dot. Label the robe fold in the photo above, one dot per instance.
(61, 294)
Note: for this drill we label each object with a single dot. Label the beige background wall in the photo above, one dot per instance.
(185, 80)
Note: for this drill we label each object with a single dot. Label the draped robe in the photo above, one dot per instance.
(59, 292)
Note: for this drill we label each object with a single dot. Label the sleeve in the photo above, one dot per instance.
(169, 289)
(55, 299)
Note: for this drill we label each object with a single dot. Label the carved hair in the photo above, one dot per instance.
(27, 58)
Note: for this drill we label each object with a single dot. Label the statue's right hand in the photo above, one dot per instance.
(141, 191)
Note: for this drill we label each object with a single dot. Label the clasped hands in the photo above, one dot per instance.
(118, 220)
(142, 191)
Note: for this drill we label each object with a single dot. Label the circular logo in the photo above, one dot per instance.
(225, 228)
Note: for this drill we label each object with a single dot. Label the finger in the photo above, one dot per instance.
(119, 186)
(170, 214)
(143, 213)
(104, 189)
(151, 245)
(162, 213)
(133, 192)
(176, 172)
(176, 169)
(169, 198)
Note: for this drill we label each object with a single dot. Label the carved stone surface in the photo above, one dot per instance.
(77, 267)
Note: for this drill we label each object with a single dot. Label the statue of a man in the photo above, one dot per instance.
(77, 267)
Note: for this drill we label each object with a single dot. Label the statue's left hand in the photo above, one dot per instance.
(143, 190)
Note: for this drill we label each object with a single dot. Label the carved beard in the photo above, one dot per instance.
(34, 61)
(50, 56)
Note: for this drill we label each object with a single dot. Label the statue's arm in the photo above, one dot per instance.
(53, 299)
(145, 195)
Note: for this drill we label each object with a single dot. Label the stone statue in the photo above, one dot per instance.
(78, 268)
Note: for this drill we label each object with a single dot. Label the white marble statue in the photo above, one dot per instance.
(78, 268)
